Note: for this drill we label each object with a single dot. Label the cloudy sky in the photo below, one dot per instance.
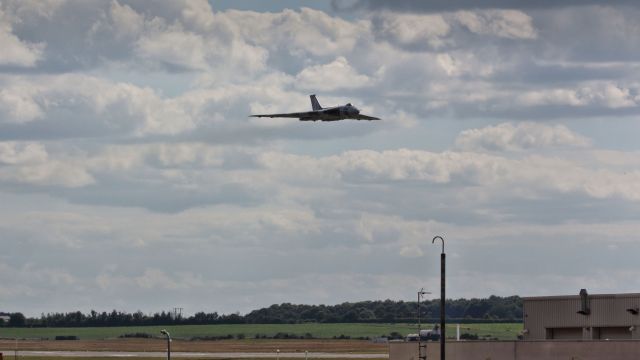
(132, 178)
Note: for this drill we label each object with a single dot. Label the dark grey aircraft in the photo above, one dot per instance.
(324, 114)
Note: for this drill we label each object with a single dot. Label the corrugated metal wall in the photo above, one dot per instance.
(607, 311)
(522, 350)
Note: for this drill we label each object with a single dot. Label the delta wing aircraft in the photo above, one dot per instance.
(324, 114)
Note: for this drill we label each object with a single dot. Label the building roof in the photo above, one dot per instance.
(591, 296)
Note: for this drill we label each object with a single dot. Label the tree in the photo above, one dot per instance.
(17, 320)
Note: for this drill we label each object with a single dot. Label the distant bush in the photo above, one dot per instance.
(342, 337)
(136, 335)
(467, 336)
(66, 337)
(487, 338)
(212, 338)
(282, 335)
(240, 336)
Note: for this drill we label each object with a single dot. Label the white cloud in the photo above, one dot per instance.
(335, 75)
(14, 51)
(22, 153)
(115, 107)
(17, 105)
(156, 278)
(51, 173)
(196, 13)
(529, 177)
(127, 23)
(412, 30)
(457, 64)
(36, 8)
(30, 163)
(176, 48)
(604, 94)
(513, 24)
(519, 136)
(301, 33)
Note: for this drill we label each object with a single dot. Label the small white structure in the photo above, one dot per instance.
(5, 317)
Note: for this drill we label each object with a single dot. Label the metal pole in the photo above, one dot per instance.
(442, 298)
(168, 348)
(419, 339)
(421, 293)
(166, 333)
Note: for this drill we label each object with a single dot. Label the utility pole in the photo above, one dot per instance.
(177, 312)
(442, 297)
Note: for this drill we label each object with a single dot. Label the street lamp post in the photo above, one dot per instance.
(442, 297)
(166, 333)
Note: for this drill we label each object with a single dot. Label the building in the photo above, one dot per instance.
(587, 327)
(582, 317)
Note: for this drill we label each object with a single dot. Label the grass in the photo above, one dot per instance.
(508, 331)
(326, 331)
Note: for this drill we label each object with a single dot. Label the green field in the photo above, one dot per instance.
(327, 331)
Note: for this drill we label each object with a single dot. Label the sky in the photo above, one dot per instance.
(132, 177)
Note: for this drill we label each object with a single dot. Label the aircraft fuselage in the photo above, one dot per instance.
(318, 113)
(332, 114)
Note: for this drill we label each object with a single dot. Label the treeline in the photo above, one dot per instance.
(492, 309)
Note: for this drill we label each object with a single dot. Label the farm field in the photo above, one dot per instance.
(506, 331)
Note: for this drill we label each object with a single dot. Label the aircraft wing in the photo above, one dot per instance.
(287, 115)
(365, 117)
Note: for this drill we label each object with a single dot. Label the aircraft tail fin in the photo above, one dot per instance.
(315, 105)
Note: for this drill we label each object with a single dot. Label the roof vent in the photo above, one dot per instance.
(584, 303)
